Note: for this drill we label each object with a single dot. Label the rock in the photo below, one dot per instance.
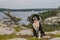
(6, 30)
(2, 25)
(52, 20)
(47, 37)
(53, 32)
(55, 39)
(17, 39)
(22, 27)
(13, 25)
(24, 32)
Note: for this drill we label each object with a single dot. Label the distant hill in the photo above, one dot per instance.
(16, 10)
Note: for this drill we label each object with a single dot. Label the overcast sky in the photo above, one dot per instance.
(22, 4)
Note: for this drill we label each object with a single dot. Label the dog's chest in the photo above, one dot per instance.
(36, 25)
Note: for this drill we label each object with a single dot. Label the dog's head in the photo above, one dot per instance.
(35, 17)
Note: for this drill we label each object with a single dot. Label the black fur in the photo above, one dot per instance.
(35, 15)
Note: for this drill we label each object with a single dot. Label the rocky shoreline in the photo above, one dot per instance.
(5, 30)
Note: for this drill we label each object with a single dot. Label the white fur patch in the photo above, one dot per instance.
(36, 25)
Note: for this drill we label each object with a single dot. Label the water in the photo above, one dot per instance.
(22, 15)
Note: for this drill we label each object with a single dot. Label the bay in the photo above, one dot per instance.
(22, 15)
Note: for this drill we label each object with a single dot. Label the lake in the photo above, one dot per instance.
(22, 15)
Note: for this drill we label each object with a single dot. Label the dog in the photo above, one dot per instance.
(37, 27)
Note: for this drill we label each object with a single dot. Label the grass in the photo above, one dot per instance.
(5, 37)
(38, 39)
(52, 36)
(50, 28)
(33, 39)
(57, 35)
(17, 29)
(10, 36)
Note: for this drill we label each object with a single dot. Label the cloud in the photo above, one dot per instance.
(29, 3)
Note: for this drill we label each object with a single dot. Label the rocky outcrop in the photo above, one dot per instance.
(52, 20)
(17, 39)
(55, 38)
(53, 32)
(5, 30)
(24, 32)
(2, 24)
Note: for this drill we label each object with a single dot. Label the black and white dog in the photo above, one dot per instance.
(37, 27)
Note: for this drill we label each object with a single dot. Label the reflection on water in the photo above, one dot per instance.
(22, 15)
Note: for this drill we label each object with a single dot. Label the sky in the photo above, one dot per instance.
(23, 4)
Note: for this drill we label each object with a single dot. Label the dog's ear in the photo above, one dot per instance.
(32, 19)
(40, 18)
